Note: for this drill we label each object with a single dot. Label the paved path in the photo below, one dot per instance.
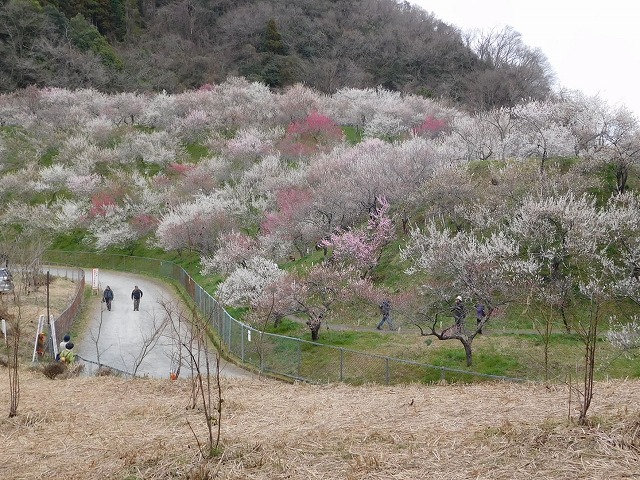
(120, 335)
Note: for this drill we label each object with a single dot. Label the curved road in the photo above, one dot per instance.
(138, 341)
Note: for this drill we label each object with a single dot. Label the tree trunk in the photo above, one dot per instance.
(622, 175)
(467, 351)
(314, 331)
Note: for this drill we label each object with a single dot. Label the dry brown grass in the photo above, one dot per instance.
(116, 428)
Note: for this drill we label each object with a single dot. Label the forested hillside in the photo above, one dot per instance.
(118, 45)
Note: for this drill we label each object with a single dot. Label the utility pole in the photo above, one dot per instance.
(49, 333)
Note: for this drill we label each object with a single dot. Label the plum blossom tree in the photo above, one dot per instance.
(479, 268)
(246, 283)
(196, 125)
(540, 133)
(297, 102)
(431, 127)
(347, 181)
(268, 176)
(124, 108)
(234, 250)
(571, 245)
(359, 107)
(83, 185)
(249, 145)
(240, 103)
(69, 214)
(196, 225)
(362, 247)
(556, 232)
(455, 196)
(288, 222)
(316, 133)
(474, 139)
(352, 106)
(311, 295)
(161, 111)
(159, 148)
(626, 337)
(623, 216)
(384, 126)
(112, 228)
(607, 134)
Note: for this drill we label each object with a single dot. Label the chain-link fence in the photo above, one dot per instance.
(273, 354)
(64, 321)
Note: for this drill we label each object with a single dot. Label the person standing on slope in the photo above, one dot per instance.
(136, 295)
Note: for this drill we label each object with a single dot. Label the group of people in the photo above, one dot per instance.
(136, 295)
(459, 313)
(66, 354)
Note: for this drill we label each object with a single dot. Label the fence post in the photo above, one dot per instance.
(386, 373)
(341, 364)
(242, 334)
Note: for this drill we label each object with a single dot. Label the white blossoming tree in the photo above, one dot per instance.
(246, 283)
(478, 268)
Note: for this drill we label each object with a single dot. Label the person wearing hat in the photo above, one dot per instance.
(63, 343)
(67, 356)
(459, 312)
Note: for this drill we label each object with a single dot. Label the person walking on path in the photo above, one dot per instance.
(459, 311)
(480, 314)
(136, 295)
(385, 309)
(107, 297)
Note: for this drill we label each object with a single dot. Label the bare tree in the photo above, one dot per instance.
(190, 331)
(95, 336)
(149, 341)
(14, 331)
(513, 71)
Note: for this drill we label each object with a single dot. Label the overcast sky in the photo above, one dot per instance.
(592, 47)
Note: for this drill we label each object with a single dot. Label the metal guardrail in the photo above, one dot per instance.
(274, 354)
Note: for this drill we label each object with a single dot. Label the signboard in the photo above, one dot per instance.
(94, 279)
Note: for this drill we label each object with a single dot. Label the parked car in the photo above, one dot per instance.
(6, 281)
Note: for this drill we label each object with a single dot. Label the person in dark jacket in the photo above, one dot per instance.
(385, 309)
(107, 297)
(480, 315)
(136, 295)
(459, 311)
